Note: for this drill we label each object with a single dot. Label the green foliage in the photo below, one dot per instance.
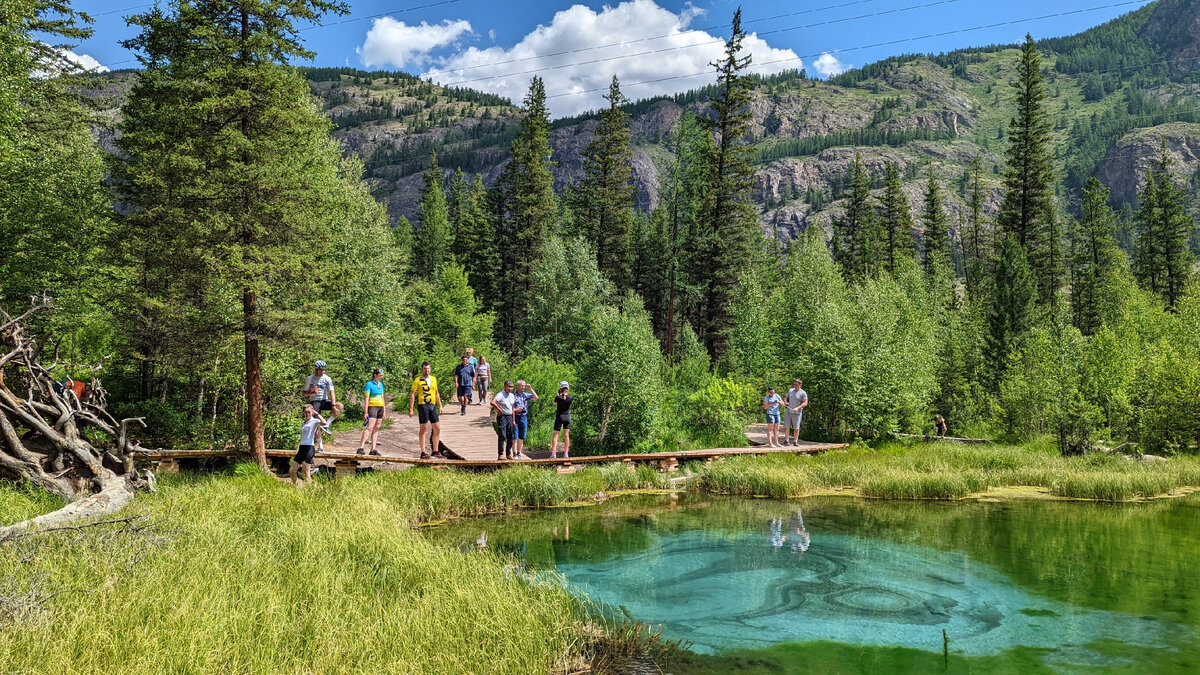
(936, 253)
(527, 213)
(726, 232)
(1027, 212)
(1096, 262)
(603, 203)
(620, 388)
(433, 243)
(855, 236)
(1164, 261)
(1010, 312)
(895, 220)
(718, 412)
(567, 288)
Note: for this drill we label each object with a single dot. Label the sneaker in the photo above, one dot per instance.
(360, 451)
(376, 453)
(508, 457)
(438, 455)
(424, 455)
(554, 455)
(500, 457)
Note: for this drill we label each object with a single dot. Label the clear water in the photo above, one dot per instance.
(755, 585)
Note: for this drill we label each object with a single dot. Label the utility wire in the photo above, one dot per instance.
(885, 43)
(699, 44)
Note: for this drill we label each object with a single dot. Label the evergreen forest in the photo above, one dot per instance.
(226, 240)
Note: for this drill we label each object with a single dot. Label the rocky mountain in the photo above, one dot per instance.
(1114, 92)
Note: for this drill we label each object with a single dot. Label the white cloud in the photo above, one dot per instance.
(85, 62)
(395, 43)
(828, 65)
(69, 61)
(581, 49)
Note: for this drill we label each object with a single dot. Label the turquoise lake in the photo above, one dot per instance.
(858, 586)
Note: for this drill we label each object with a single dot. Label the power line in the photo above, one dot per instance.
(382, 14)
(885, 43)
(653, 37)
(697, 44)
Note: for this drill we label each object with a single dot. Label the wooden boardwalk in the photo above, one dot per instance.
(470, 442)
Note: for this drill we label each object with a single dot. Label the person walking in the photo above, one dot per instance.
(464, 381)
(503, 404)
(771, 403)
(428, 401)
(471, 357)
(525, 395)
(318, 387)
(483, 378)
(797, 401)
(562, 420)
(373, 412)
(314, 426)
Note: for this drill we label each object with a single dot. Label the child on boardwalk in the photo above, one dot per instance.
(302, 462)
(771, 403)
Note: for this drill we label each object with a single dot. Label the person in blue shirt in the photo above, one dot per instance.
(771, 403)
(525, 394)
(373, 412)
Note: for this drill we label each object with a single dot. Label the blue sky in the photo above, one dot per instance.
(497, 46)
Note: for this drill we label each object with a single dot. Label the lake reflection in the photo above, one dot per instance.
(735, 574)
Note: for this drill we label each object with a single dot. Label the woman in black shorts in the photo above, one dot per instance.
(373, 412)
(562, 420)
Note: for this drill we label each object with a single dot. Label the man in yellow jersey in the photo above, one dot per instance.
(428, 402)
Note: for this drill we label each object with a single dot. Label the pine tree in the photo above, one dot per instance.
(1028, 212)
(527, 213)
(729, 220)
(895, 220)
(854, 230)
(433, 242)
(455, 201)
(604, 201)
(477, 244)
(248, 211)
(937, 235)
(977, 249)
(1096, 260)
(1164, 261)
(683, 197)
(1011, 310)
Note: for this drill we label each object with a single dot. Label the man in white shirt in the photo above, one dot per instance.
(797, 401)
(506, 426)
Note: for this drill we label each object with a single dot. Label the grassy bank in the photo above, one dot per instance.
(949, 471)
(243, 573)
(240, 572)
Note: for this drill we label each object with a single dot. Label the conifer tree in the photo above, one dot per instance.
(1011, 309)
(895, 220)
(854, 230)
(1164, 262)
(729, 224)
(477, 243)
(683, 197)
(603, 204)
(1028, 212)
(937, 235)
(527, 214)
(976, 247)
(434, 239)
(246, 210)
(455, 201)
(1095, 261)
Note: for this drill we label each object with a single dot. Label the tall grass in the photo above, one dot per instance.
(248, 574)
(19, 501)
(949, 471)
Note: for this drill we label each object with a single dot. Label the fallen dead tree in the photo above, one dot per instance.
(53, 437)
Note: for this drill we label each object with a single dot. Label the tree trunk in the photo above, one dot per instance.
(254, 417)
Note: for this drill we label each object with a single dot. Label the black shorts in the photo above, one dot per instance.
(465, 392)
(305, 454)
(427, 413)
(375, 411)
(322, 406)
(562, 422)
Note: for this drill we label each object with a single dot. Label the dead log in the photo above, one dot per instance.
(55, 438)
